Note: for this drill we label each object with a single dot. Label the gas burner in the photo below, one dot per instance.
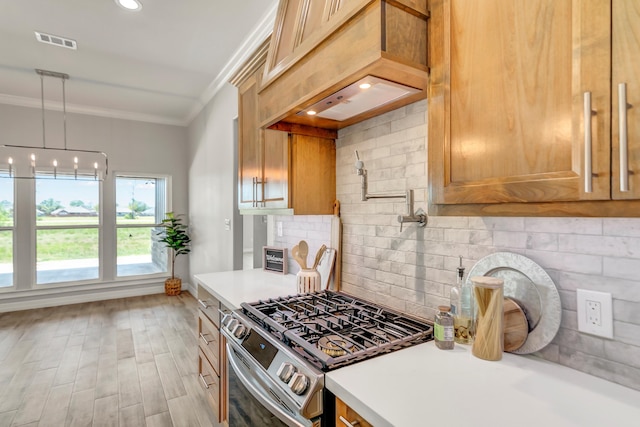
(379, 337)
(335, 345)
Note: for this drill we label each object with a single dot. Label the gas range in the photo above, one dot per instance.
(332, 329)
(284, 345)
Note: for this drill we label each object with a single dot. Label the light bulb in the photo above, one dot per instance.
(129, 4)
(10, 160)
(311, 113)
(365, 85)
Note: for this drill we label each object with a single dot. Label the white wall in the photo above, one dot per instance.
(134, 147)
(211, 183)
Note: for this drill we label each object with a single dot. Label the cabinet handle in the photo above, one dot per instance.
(624, 146)
(204, 382)
(588, 181)
(254, 186)
(348, 423)
(206, 342)
(203, 304)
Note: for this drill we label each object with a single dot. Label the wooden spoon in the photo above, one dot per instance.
(319, 255)
(295, 254)
(303, 251)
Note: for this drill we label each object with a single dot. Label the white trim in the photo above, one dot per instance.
(251, 43)
(19, 301)
(91, 111)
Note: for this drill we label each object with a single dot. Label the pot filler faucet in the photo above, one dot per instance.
(419, 216)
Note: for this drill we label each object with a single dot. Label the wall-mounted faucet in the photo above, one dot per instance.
(419, 216)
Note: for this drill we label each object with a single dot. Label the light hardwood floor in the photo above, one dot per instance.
(125, 362)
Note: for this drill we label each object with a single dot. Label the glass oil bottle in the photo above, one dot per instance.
(462, 305)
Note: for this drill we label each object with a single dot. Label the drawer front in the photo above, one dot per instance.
(209, 305)
(346, 416)
(210, 381)
(209, 341)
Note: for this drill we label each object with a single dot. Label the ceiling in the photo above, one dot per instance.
(161, 64)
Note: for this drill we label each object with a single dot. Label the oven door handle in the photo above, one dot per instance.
(255, 392)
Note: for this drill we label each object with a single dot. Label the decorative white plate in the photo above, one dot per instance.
(532, 288)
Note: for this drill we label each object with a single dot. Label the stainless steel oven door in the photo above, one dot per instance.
(252, 401)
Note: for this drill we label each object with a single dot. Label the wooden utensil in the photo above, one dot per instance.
(319, 256)
(516, 327)
(295, 254)
(303, 251)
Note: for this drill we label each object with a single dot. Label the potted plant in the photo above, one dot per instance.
(174, 236)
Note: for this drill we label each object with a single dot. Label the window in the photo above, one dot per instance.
(67, 231)
(140, 207)
(6, 230)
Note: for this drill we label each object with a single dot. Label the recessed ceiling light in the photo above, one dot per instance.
(129, 4)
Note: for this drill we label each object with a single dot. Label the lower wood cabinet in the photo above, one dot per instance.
(212, 361)
(345, 416)
(212, 383)
(209, 341)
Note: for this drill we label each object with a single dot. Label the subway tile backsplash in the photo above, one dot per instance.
(414, 270)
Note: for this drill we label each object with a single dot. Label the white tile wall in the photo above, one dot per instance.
(314, 229)
(413, 271)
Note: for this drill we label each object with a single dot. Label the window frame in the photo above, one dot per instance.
(167, 208)
(11, 228)
(99, 226)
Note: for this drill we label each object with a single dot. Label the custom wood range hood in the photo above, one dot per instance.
(332, 63)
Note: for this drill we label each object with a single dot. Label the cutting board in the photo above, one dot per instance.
(516, 327)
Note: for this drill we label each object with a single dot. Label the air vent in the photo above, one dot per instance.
(56, 40)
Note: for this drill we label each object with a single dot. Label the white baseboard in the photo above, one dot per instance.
(16, 303)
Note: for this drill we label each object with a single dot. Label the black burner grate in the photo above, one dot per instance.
(332, 329)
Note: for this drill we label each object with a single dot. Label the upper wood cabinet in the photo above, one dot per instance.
(514, 86)
(288, 169)
(626, 113)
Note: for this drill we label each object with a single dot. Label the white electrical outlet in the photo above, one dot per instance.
(595, 313)
(279, 225)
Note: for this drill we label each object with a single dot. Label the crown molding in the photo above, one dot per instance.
(92, 111)
(242, 54)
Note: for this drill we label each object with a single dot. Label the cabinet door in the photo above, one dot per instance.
(249, 143)
(313, 175)
(506, 101)
(275, 169)
(626, 66)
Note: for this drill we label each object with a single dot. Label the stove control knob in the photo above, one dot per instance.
(239, 331)
(226, 319)
(299, 383)
(231, 324)
(286, 371)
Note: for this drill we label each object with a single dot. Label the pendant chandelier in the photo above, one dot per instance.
(31, 162)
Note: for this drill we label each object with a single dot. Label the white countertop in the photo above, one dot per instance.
(423, 385)
(235, 287)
